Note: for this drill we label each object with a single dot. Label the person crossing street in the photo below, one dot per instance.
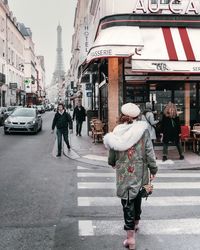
(63, 122)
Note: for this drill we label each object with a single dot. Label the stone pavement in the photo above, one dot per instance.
(84, 150)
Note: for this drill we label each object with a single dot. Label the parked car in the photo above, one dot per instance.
(10, 109)
(23, 120)
(2, 115)
(40, 109)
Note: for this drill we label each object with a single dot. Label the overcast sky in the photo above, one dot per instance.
(43, 16)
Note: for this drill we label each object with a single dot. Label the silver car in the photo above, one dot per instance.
(23, 120)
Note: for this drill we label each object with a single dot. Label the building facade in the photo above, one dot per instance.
(3, 88)
(12, 59)
(144, 50)
(18, 71)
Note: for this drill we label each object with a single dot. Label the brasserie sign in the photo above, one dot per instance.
(190, 7)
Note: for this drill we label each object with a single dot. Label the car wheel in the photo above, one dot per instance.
(6, 132)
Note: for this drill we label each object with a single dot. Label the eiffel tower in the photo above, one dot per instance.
(59, 73)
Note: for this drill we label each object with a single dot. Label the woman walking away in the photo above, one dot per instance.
(171, 130)
(148, 116)
(131, 154)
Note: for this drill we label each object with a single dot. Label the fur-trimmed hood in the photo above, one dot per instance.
(125, 135)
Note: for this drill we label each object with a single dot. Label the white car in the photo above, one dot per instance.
(25, 120)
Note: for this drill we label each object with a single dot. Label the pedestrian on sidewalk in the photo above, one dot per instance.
(79, 114)
(62, 121)
(131, 153)
(148, 116)
(171, 130)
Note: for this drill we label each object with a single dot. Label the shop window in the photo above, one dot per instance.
(137, 93)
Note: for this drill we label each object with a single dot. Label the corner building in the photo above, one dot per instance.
(144, 50)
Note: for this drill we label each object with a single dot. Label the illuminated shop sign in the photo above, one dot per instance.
(172, 6)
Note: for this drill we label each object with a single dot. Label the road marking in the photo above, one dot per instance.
(85, 228)
(96, 157)
(162, 175)
(187, 226)
(82, 168)
(157, 185)
(153, 201)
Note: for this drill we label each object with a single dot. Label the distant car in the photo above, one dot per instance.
(2, 115)
(55, 108)
(23, 120)
(40, 109)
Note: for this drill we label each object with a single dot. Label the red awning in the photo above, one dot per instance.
(169, 50)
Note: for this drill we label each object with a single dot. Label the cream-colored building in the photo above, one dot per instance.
(3, 88)
(15, 62)
(22, 73)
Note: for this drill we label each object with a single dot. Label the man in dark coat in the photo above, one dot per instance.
(62, 121)
(79, 114)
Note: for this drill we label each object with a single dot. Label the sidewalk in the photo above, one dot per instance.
(84, 150)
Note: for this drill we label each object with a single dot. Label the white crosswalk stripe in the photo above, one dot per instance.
(154, 201)
(148, 227)
(173, 189)
(157, 185)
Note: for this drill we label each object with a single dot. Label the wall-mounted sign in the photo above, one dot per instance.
(173, 6)
(13, 85)
(165, 66)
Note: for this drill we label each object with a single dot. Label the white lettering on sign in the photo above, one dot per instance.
(173, 6)
(140, 5)
(102, 52)
(86, 34)
(192, 7)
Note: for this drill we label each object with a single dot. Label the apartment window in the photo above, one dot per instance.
(161, 1)
(165, 1)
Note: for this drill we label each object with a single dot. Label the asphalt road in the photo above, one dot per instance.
(49, 203)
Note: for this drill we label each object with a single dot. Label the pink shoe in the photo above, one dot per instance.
(130, 241)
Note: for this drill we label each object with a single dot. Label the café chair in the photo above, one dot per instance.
(186, 138)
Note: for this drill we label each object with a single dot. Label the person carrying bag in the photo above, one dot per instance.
(131, 153)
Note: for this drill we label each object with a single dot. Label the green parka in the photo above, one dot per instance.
(134, 163)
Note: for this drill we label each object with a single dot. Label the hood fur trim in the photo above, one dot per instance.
(124, 136)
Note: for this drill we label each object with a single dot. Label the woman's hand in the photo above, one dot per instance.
(152, 177)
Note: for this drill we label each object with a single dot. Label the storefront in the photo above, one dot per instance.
(164, 66)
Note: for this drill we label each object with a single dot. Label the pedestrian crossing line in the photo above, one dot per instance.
(157, 185)
(164, 201)
(161, 175)
(82, 168)
(189, 226)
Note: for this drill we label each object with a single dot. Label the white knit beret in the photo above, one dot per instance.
(130, 109)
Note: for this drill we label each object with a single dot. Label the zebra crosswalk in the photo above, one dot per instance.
(175, 204)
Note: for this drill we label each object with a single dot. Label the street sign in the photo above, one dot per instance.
(13, 85)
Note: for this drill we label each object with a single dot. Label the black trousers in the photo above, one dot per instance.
(132, 211)
(62, 132)
(78, 127)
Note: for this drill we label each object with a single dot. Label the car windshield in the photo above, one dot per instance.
(11, 108)
(24, 112)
